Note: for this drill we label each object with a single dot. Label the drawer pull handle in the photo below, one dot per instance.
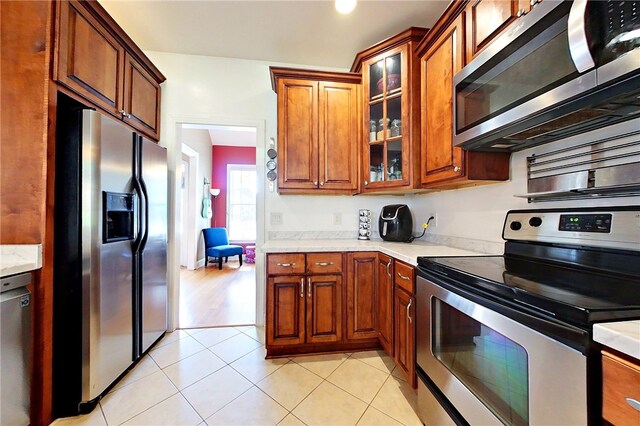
(286, 265)
(309, 287)
(409, 311)
(324, 263)
(634, 403)
(403, 277)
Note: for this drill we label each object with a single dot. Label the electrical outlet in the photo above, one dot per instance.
(276, 218)
(337, 218)
(434, 221)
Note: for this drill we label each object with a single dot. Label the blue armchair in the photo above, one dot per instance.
(216, 244)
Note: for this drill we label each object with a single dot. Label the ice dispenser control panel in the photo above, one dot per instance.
(118, 217)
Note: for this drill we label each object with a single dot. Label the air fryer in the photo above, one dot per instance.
(395, 223)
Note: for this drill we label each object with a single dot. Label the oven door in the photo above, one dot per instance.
(492, 369)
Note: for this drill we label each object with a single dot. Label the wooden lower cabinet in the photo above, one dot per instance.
(384, 293)
(361, 295)
(404, 333)
(621, 390)
(304, 309)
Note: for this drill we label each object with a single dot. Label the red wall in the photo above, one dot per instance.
(221, 156)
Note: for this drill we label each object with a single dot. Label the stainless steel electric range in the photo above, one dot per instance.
(508, 339)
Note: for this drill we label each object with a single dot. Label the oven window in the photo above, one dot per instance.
(490, 365)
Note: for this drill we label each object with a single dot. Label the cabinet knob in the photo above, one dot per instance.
(521, 12)
(366, 183)
(315, 183)
(321, 183)
(534, 2)
(123, 112)
(456, 169)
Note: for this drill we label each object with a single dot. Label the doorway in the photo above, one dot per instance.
(209, 296)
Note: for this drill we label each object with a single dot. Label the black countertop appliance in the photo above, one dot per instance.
(395, 223)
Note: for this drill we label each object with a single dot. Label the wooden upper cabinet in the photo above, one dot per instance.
(361, 297)
(141, 98)
(98, 61)
(486, 19)
(90, 60)
(444, 165)
(318, 131)
(338, 136)
(391, 113)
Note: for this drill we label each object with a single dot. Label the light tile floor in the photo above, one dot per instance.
(218, 376)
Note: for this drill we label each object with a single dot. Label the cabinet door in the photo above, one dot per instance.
(440, 160)
(285, 310)
(620, 383)
(361, 297)
(486, 19)
(141, 98)
(339, 136)
(404, 325)
(90, 60)
(297, 134)
(384, 293)
(324, 308)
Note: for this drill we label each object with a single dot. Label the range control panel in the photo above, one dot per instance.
(615, 227)
(585, 222)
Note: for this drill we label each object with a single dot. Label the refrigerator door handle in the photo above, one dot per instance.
(145, 203)
(137, 244)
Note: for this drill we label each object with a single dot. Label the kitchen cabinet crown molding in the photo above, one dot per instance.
(450, 14)
(278, 73)
(414, 34)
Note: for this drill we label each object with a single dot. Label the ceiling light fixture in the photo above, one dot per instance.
(345, 6)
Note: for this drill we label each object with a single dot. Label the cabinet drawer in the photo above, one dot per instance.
(324, 263)
(285, 264)
(620, 381)
(404, 276)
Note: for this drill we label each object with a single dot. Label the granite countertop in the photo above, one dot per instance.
(15, 259)
(407, 253)
(623, 336)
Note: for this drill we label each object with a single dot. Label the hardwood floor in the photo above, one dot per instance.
(210, 297)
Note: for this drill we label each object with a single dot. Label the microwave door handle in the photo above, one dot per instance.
(577, 34)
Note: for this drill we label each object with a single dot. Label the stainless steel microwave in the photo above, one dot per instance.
(565, 68)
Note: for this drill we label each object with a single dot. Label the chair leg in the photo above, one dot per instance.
(220, 262)
(240, 257)
(226, 259)
(206, 259)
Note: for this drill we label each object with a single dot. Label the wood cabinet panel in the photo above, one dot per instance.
(440, 160)
(141, 98)
(620, 380)
(90, 60)
(324, 263)
(286, 264)
(361, 296)
(324, 308)
(404, 334)
(285, 310)
(384, 295)
(297, 134)
(486, 19)
(338, 136)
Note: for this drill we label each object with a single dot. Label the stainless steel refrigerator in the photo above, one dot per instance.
(110, 253)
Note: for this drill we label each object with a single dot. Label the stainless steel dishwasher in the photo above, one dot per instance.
(15, 349)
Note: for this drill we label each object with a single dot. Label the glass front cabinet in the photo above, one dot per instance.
(391, 86)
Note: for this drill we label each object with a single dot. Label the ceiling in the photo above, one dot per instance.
(295, 32)
(222, 134)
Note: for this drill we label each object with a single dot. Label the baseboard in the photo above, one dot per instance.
(200, 263)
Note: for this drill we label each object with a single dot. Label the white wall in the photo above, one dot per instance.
(200, 142)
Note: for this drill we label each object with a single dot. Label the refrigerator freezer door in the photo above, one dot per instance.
(154, 251)
(107, 161)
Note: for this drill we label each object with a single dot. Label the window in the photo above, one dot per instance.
(241, 202)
